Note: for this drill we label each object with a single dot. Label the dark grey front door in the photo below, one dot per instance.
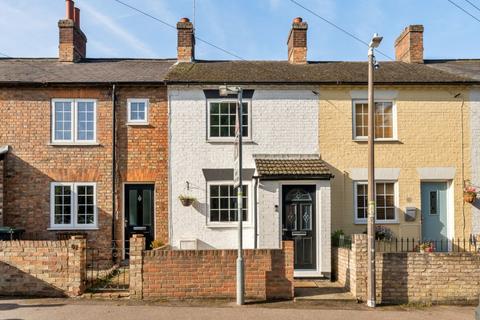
(139, 212)
(298, 223)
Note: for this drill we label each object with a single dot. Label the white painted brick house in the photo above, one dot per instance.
(279, 128)
(287, 198)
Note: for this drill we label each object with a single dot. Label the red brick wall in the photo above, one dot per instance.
(185, 274)
(143, 150)
(42, 268)
(33, 163)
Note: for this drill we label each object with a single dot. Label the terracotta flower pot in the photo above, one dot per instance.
(469, 197)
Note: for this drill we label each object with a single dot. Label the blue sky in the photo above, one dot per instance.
(252, 29)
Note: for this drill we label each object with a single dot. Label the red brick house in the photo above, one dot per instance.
(84, 138)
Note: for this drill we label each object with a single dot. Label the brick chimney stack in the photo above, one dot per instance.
(409, 45)
(73, 42)
(297, 42)
(185, 41)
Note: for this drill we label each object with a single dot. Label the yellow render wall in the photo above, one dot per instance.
(429, 127)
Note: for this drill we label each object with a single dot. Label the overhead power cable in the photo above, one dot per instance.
(464, 10)
(175, 28)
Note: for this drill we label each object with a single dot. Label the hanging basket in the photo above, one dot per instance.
(186, 200)
(469, 197)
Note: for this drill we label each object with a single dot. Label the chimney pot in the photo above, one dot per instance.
(409, 45)
(297, 20)
(185, 41)
(69, 5)
(76, 17)
(297, 42)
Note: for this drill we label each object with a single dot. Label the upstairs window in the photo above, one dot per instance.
(385, 120)
(222, 117)
(73, 121)
(137, 111)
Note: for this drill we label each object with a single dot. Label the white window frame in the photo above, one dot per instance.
(383, 221)
(147, 108)
(230, 224)
(394, 120)
(74, 203)
(229, 139)
(74, 135)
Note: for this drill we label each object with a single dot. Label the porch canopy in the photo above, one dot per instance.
(291, 167)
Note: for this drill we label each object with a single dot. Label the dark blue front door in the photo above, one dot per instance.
(434, 211)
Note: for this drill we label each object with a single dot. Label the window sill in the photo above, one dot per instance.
(138, 124)
(228, 141)
(232, 225)
(377, 140)
(73, 229)
(377, 222)
(74, 144)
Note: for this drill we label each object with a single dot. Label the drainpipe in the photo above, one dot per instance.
(114, 164)
(255, 213)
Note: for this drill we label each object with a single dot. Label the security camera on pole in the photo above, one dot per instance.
(237, 183)
(372, 64)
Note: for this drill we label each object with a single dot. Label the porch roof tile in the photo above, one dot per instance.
(291, 166)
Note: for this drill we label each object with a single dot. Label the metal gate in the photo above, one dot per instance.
(107, 269)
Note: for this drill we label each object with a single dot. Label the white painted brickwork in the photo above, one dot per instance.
(475, 127)
(283, 122)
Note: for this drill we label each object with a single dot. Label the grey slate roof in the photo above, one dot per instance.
(314, 72)
(49, 70)
(463, 67)
(291, 166)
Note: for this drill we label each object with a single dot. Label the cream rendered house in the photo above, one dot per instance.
(424, 149)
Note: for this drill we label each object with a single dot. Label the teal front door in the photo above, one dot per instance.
(434, 211)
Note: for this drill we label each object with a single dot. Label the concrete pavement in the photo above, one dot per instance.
(56, 309)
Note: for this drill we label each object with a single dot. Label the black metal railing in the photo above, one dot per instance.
(419, 245)
(107, 268)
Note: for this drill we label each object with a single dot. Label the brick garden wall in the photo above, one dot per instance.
(438, 277)
(194, 274)
(341, 265)
(428, 277)
(42, 268)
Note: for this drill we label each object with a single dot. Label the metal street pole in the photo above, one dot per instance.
(224, 91)
(371, 176)
(240, 266)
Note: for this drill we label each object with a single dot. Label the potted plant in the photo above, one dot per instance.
(426, 247)
(186, 200)
(383, 233)
(469, 194)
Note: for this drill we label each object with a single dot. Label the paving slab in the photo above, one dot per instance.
(321, 290)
